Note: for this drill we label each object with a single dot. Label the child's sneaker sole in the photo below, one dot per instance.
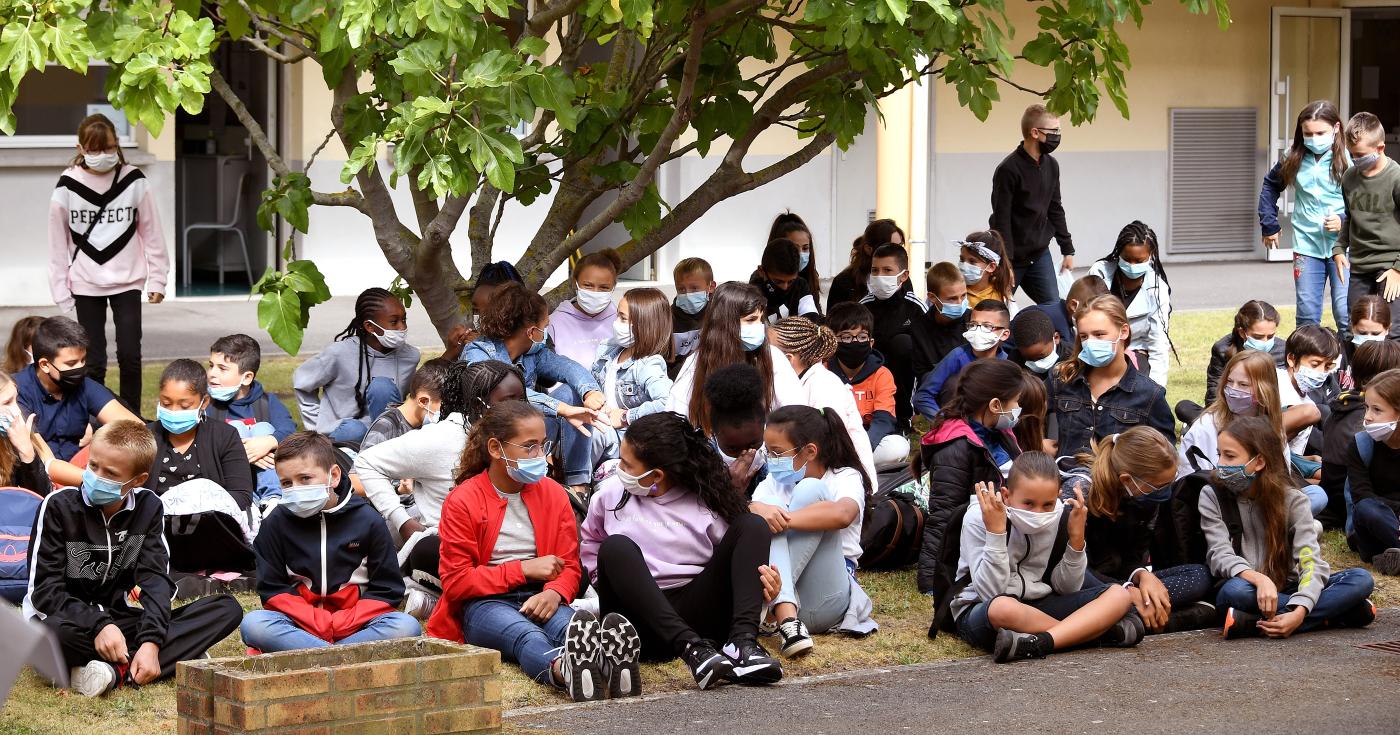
(798, 648)
(1387, 562)
(93, 679)
(583, 659)
(622, 652)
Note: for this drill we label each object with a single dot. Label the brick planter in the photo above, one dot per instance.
(411, 686)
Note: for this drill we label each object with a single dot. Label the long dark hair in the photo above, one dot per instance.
(370, 301)
(1252, 311)
(876, 233)
(720, 345)
(783, 226)
(978, 384)
(1030, 430)
(1268, 491)
(823, 427)
(666, 441)
(1137, 233)
(467, 385)
(499, 423)
(1318, 111)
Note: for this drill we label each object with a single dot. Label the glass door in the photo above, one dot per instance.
(1311, 60)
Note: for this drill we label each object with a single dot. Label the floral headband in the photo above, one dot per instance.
(981, 249)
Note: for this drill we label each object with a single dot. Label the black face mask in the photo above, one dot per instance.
(1051, 142)
(852, 354)
(72, 377)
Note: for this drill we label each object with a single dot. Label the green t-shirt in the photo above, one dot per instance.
(1372, 231)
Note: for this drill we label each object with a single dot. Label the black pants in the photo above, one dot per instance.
(421, 565)
(721, 603)
(194, 629)
(126, 316)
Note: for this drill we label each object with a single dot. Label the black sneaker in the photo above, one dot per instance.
(708, 666)
(1196, 616)
(622, 650)
(796, 640)
(1387, 562)
(1011, 646)
(1125, 633)
(582, 666)
(752, 664)
(1240, 624)
(1359, 616)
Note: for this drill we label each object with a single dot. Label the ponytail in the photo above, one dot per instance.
(824, 428)
(1138, 451)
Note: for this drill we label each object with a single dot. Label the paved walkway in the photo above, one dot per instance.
(1194, 682)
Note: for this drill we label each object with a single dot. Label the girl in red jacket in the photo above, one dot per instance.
(510, 565)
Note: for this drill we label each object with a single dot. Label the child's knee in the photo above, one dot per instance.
(809, 491)
(1117, 597)
(402, 625)
(1002, 611)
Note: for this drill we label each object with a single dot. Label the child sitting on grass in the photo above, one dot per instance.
(238, 399)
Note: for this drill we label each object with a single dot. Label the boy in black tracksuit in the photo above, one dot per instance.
(899, 317)
(91, 547)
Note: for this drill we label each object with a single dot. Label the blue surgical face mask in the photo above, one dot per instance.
(5, 422)
(1308, 379)
(692, 303)
(782, 471)
(803, 260)
(1146, 493)
(1361, 339)
(753, 334)
(953, 311)
(177, 422)
(222, 393)
(1319, 144)
(101, 491)
(536, 346)
(527, 471)
(305, 501)
(1098, 352)
(1263, 345)
(1134, 270)
(972, 273)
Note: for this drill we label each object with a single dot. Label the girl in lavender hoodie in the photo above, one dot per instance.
(671, 546)
(106, 247)
(578, 326)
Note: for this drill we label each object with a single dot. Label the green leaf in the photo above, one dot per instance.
(532, 46)
(1042, 50)
(279, 313)
(552, 89)
(899, 9)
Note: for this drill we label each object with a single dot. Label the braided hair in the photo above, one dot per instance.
(1133, 234)
(370, 301)
(666, 441)
(810, 342)
(468, 386)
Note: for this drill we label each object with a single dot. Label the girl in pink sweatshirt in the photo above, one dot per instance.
(106, 246)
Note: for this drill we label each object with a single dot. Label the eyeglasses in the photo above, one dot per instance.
(984, 326)
(1150, 487)
(1049, 131)
(848, 339)
(532, 449)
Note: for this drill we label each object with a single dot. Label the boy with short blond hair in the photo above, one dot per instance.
(1368, 240)
(695, 281)
(947, 309)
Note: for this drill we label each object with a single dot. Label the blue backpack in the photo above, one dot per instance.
(1366, 448)
(18, 509)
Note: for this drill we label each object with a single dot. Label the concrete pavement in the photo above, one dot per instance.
(1192, 682)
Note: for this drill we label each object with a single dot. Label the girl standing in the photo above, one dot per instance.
(1313, 166)
(1133, 272)
(982, 260)
(582, 324)
(1277, 582)
(790, 227)
(106, 247)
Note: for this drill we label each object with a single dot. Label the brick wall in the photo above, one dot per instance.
(414, 686)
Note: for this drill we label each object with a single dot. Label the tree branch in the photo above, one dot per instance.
(271, 53)
(539, 23)
(479, 227)
(262, 25)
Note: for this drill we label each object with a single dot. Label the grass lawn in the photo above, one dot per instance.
(903, 614)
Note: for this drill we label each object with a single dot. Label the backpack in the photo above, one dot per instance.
(1181, 540)
(1366, 448)
(943, 599)
(18, 510)
(892, 531)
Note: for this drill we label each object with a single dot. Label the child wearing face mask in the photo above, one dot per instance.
(1277, 583)
(985, 270)
(1034, 343)
(779, 277)
(1256, 328)
(1348, 413)
(988, 327)
(238, 399)
(1368, 239)
(423, 407)
(1373, 459)
(631, 366)
(859, 365)
(807, 347)
(1370, 322)
(20, 463)
(946, 319)
(1134, 273)
(1250, 388)
(92, 546)
(1023, 579)
(899, 316)
(327, 574)
(1306, 387)
(582, 324)
(368, 366)
(694, 281)
(106, 247)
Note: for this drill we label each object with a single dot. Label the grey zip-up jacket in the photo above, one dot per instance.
(1309, 569)
(325, 384)
(1012, 563)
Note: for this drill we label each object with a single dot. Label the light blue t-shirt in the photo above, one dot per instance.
(1315, 196)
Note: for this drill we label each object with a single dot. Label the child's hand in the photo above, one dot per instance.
(111, 644)
(21, 436)
(541, 607)
(258, 447)
(1333, 223)
(776, 518)
(542, 568)
(155, 298)
(772, 583)
(1343, 265)
(993, 510)
(1282, 626)
(594, 400)
(1391, 279)
(741, 470)
(1156, 604)
(1265, 592)
(406, 486)
(145, 665)
(1271, 241)
(580, 418)
(617, 417)
(1078, 517)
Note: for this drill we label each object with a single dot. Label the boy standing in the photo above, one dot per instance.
(236, 396)
(1368, 242)
(1026, 208)
(310, 551)
(860, 366)
(987, 328)
(777, 277)
(695, 281)
(899, 317)
(92, 546)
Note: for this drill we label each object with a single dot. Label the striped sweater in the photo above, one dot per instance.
(104, 238)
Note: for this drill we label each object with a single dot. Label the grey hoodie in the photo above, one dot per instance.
(1012, 563)
(325, 384)
(1310, 571)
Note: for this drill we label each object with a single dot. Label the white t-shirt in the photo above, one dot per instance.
(1288, 397)
(610, 384)
(843, 483)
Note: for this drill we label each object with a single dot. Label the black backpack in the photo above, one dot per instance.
(1180, 540)
(892, 531)
(943, 598)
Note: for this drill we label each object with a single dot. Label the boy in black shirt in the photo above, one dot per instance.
(947, 310)
(695, 281)
(899, 317)
(777, 277)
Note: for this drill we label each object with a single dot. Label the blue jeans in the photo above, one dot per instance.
(1311, 278)
(496, 623)
(379, 394)
(1376, 527)
(812, 565)
(1037, 279)
(269, 631)
(1345, 590)
(577, 449)
(1317, 497)
(975, 627)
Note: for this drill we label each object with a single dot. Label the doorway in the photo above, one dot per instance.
(1375, 69)
(219, 177)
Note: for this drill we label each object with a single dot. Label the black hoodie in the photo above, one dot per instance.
(901, 333)
(1348, 412)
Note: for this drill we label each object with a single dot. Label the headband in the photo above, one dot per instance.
(981, 249)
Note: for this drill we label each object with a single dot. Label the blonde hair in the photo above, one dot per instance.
(691, 266)
(1034, 117)
(1365, 128)
(132, 439)
(1263, 375)
(7, 458)
(1138, 451)
(1108, 305)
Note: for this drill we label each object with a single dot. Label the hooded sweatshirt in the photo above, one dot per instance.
(676, 533)
(1012, 563)
(873, 388)
(325, 384)
(123, 251)
(244, 411)
(428, 456)
(577, 335)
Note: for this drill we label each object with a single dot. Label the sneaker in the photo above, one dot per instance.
(622, 650)
(1125, 633)
(94, 679)
(589, 604)
(796, 640)
(752, 664)
(1240, 624)
(1196, 616)
(419, 603)
(1011, 646)
(1387, 562)
(706, 664)
(582, 666)
(1359, 616)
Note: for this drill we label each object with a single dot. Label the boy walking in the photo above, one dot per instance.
(1026, 208)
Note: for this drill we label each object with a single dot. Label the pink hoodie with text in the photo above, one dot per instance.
(123, 251)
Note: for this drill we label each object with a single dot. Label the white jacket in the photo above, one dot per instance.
(428, 456)
(787, 390)
(1147, 318)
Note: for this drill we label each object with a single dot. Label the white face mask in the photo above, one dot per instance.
(1044, 364)
(391, 338)
(1379, 431)
(593, 302)
(622, 333)
(1029, 522)
(980, 339)
(101, 162)
(883, 287)
(633, 483)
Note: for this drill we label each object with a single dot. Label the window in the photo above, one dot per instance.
(49, 106)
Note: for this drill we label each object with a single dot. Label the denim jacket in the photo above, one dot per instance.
(642, 385)
(1136, 401)
(546, 364)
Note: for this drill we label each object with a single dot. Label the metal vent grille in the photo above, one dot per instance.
(1383, 646)
(1213, 181)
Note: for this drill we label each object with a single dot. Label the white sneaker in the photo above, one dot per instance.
(419, 604)
(94, 679)
(587, 604)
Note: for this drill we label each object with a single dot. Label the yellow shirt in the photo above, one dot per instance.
(975, 296)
